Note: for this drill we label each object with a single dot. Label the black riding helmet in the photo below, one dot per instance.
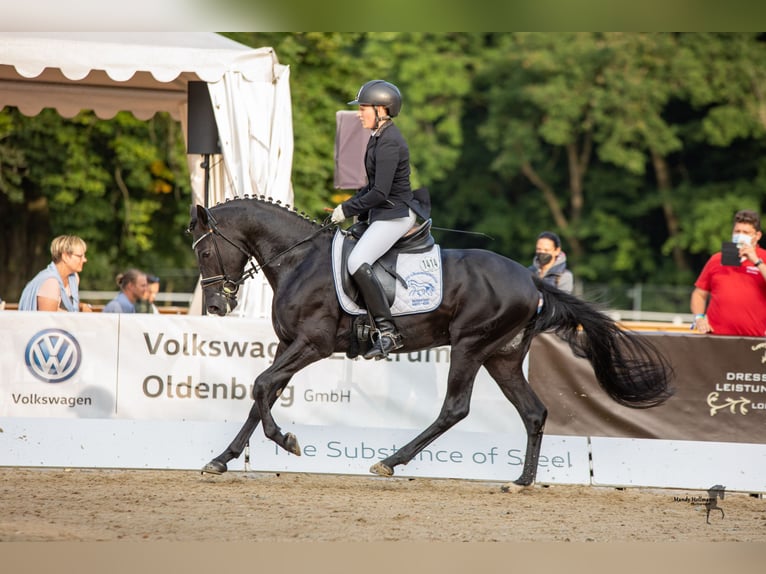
(380, 93)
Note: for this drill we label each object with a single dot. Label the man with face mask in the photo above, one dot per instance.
(550, 262)
(731, 299)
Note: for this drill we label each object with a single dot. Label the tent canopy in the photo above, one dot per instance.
(140, 72)
(149, 72)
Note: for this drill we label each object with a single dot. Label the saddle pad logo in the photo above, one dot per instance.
(53, 355)
(422, 290)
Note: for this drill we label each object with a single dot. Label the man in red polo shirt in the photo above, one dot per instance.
(736, 293)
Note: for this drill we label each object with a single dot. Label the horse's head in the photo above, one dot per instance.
(221, 261)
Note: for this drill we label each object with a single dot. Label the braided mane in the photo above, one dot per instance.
(301, 216)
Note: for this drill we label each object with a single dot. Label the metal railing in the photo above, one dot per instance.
(178, 299)
(632, 303)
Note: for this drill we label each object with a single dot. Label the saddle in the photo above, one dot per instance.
(417, 240)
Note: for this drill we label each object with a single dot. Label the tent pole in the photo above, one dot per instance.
(206, 166)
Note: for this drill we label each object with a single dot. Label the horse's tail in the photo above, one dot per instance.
(627, 366)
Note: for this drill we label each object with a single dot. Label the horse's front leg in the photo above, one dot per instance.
(270, 383)
(219, 464)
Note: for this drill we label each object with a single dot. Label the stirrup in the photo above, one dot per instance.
(384, 343)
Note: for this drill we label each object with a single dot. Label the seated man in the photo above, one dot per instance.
(133, 286)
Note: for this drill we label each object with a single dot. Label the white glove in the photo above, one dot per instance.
(337, 214)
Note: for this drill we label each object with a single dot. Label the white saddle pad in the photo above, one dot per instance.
(421, 271)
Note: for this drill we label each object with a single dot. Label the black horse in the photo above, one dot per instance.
(488, 316)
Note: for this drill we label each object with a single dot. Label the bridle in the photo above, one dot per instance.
(230, 286)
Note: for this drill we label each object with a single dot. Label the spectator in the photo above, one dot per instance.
(550, 262)
(56, 288)
(731, 299)
(146, 305)
(132, 286)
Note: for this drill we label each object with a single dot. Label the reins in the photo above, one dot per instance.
(325, 224)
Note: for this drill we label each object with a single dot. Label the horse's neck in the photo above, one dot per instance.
(280, 238)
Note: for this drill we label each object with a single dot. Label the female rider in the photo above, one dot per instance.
(384, 202)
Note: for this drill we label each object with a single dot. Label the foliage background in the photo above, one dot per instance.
(637, 148)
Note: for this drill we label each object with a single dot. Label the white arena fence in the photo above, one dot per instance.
(171, 391)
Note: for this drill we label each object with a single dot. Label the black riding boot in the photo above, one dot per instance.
(375, 299)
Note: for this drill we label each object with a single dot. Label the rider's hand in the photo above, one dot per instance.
(337, 214)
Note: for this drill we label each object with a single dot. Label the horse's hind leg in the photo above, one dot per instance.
(505, 367)
(455, 408)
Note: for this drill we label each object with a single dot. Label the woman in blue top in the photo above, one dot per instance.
(56, 288)
(384, 202)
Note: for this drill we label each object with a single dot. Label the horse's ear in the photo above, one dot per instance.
(199, 214)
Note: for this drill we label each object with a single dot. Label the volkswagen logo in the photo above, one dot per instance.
(53, 355)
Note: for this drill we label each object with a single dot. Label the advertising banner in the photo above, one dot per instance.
(190, 368)
(156, 391)
(58, 365)
(720, 392)
(711, 432)
(188, 445)
(172, 391)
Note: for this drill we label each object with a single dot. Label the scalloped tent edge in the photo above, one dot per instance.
(148, 72)
(140, 72)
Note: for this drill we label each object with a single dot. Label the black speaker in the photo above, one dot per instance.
(203, 131)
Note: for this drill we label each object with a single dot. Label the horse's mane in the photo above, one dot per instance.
(292, 212)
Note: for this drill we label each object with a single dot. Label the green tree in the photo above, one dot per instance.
(121, 184)
(636, 148)
(598, 124)
(723, 168)
(433, 71)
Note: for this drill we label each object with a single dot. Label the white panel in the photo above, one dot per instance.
(678, 464)
(85, 443)
(105, 443)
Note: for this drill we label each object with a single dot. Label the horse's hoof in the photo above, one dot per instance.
(513, 487)
(291, 444)
(214, 467)
(381, 469)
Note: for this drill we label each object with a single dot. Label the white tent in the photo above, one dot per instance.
(148, 72)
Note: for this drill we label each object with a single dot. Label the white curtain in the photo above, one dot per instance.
(254, 120)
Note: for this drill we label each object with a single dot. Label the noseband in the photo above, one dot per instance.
(229, 286)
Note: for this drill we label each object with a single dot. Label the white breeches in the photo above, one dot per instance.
(377, 239)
